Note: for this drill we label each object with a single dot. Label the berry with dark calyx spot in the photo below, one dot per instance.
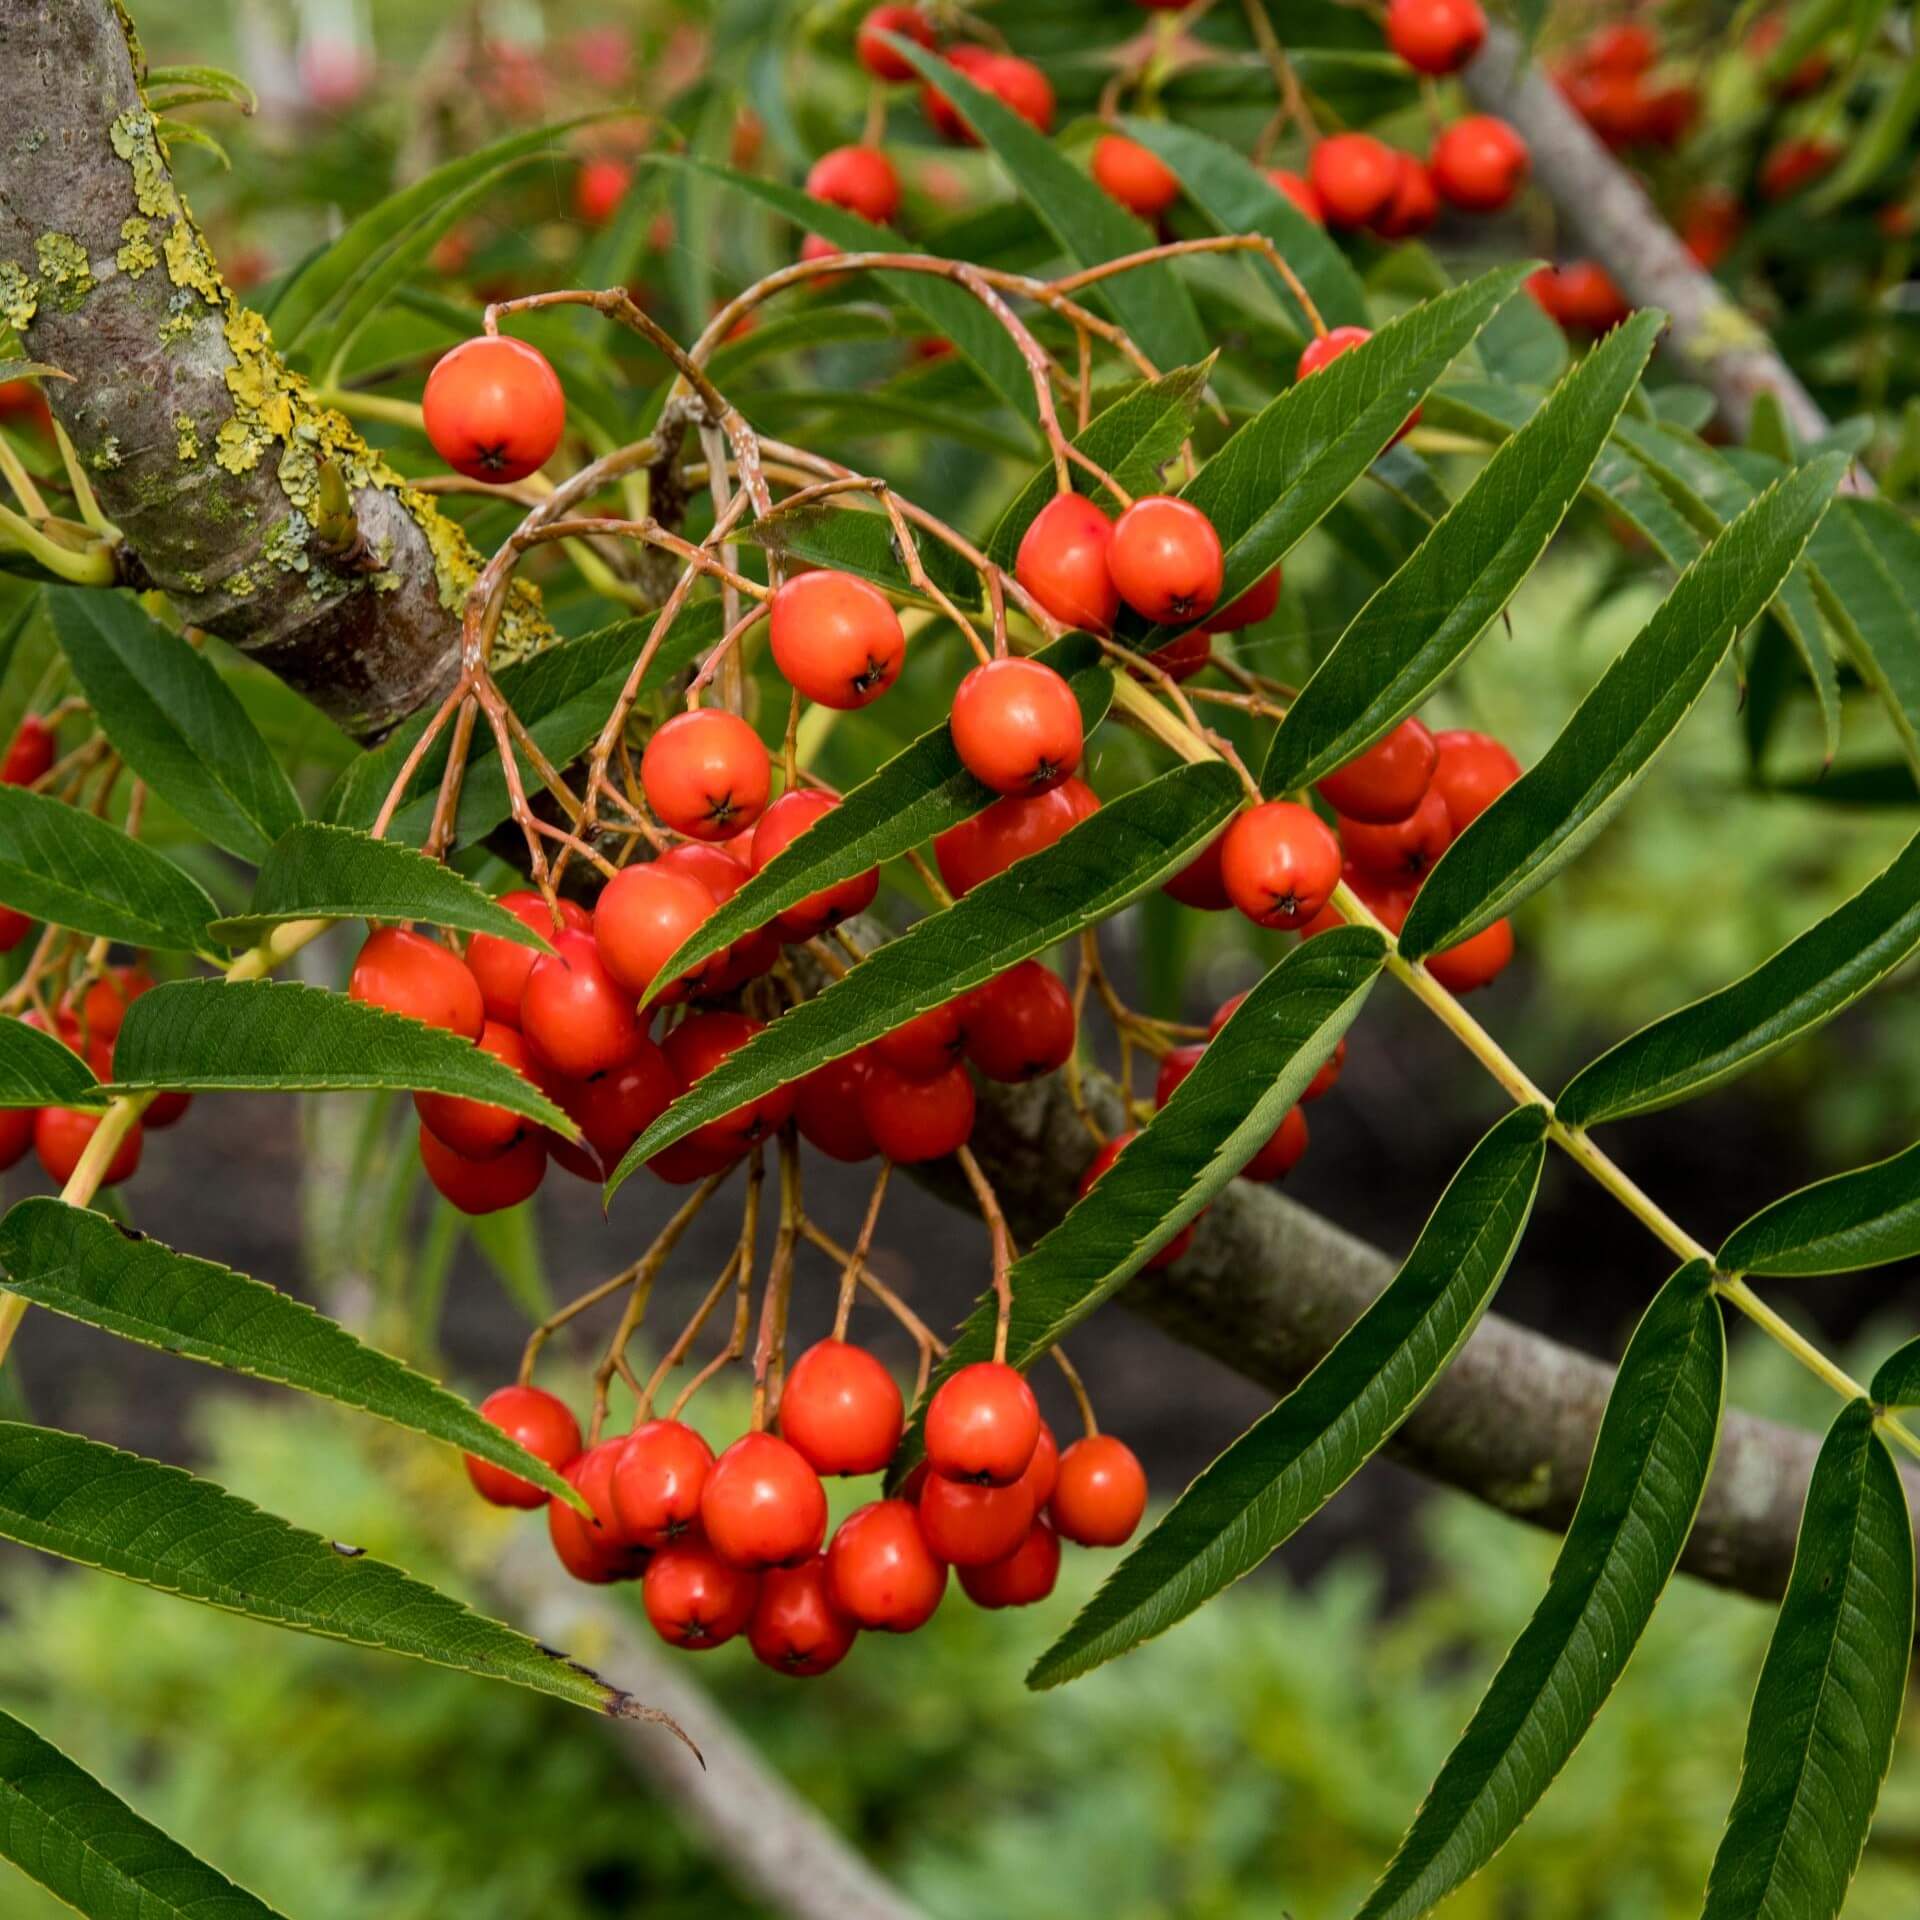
(1008, 831)
(968, 1525)
(762, 1505)
(797, 1627)
(1134, 175)
(1062, 562)
(1479, 164)
(1280, 864)
(593, 1549)
(1435, 36)
(477, 1129)
(827, 1110)
(1102, 1163)
(1282, 1152)
(1100, 1493)
(924, 1047)
(484, 1186)
(836, 638)
(1301, 191)
(860, 179)
(693, 1049)
(1354, 176)
(1470, 772)
(880, 1570)
(1016, 726)
(1401, 851)
(783, 823)
(501, 966)
(695, 1599)
(841, 1409)
(60, 1137)
(644, 915)
(1166, 559)
(30, 753)
(658, 1475)
(1199, 884)
(917, 1120)
(1386, 782)
(1021, 1024)
(1476, 962)
(879, 59)
(541, 1423)
(706, 774)
(1025, 1576)
(494, 409)
(983, 1424)
(409, 974)
(1248, 609)
(576, 1017)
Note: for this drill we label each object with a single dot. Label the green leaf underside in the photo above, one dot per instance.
(1864, 1218)
(1275, 480)
(83, 1265)
(1291, 1461)
(1821, 1731)
(323, 872)
(165, 1528)
(1866, 560)
(175, 722)
(859, 541)
(36, 1070)
(922, 791)
(63, 1829)
(281, 1036)
(1649, 1469)
(1812, 978)
(59, 863)
(1552, 811)
(1422, 622)
(1131, 844)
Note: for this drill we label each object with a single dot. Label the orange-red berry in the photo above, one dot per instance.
(1354, 176)
(494, 409)
(1016, 726)
(1020, 1024)
(1279, 863)
(1062, 562)
(1435, 36)
(695, 1598)
(836, 638)
(706, 774)
(1166, 559)
(576, 1017)
(983, 1424)
(1479, 164)
(542, 1424)
(658, 1475)
(408, 974)
(1134, 175)
(1100, 1493)
(880, 1571)
(841, 1409)
(1388, 780)
(1025, 1576)
(860, 179)
(797, 1627)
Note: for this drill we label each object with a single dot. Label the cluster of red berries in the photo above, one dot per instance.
(1607, 80)
(738, 1543)
(28, 760)
(1017, 84)
(1397, 808)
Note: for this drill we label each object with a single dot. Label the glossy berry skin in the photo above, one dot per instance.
(60, 1136)
(501, 966)
(762, 1505)
(970, 1526)
(1062, 562)
(706, 775)
(796, 1627)
(695, 1599)
(826, 1109)
(542, 1424)
(1008, 831)
(30, 753)
(1020, 1025)
(1017, 84)
(476, 1129)
(1280, 864)
(1016, 726)
(1587, 298)
(484, 1186)
(409, 974)
(1281, 1154)
(693, 1049)
(924, 1047)
(598, 189)
(1435, 36)
(1354, 176)
(576, 1017)
(1100, 1494)
(1042, 1469)
(1476, 962)
(1413, 206)
(1250, 608)
(592, 1549)
(836, 638)
(494, 409)
(880, 1571)
(613, 1109)
(780, 826)
(912, 1121)
(1479, 164)
(1099, 1165)
(841, 1410)
(1470, 772)
(1166, 559)
(983, 1424)
(1025, 1576)
(861, 179)
(879, 59)
(1402, 851)
(1301, 191)
(1386, 782)
(1134, 175)
(1198, 884)
(103, 1007)
(644, 915)
(654, 1488)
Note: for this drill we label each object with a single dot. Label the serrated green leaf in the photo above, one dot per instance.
(1092, 871)
(1553, 810)
(63, 1829)
(285, 1037)
(168, 1529)
(1825, 1713)
(1810, 979)
(175, 722)
(1649, 1469)
(862, 543)
(323, 872)
(1863, 1218)
(1418, 627)
(1294, 1459)
(58, 863)
(922, 791)
(79, 1263)
(1152, 301)
(1866, 560)
(36, 1070)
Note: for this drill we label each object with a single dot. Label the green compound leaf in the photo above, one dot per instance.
(1289, 1463)
(36, 1070)
(1865, 1218)
(1866, 560)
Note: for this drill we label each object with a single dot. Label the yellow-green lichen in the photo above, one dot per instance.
(189, 264)
(66, 274)
(242, 585)
(136, 255)
(179, 323)
(19, 297)
(186, 437)
(106, 456)
(237, 447)
(135, 141)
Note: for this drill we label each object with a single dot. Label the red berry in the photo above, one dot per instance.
(1042, 1468)
(706, 774)
(501, 966)
(30, 753)
(14, 927)
(1099, 1165)
(879, 59)
(613, 1109)
(576, 1017)
(1386, 782)
(16, 1134)
(924, 1047)
(916, 1120)
(1020, 1024)
(1479, 164)
(693, 1049)
(762, 1505)
(827, 1110)
(484, 1186)
(1025, 1576)
(542, 1424)
(104, 1005)
(1166, 559)
(1198, 884)
(983, 1424)
(60, 1136)
(1435, 36)
(593, 1549)
(1062, 562)
(409, 974)
(1017, 84)
(1413, 206)
(1629, 47)
(1250, 608)
(1402, 850)
(1301, 191)
(861, 179)
(1710, 223)
(782, 824)
(1282, 1152)
(694, 1598)
(494, 409)
(1008, 831)
(476, 1129)
(1181, 659)
(1587, 297)
(1280, 864)
(1134, 175)
(643, 917)
(1100, 1494)
(1175, 1064)
(880, 1571)
(1470, 772)
(1328, 347)
(598, 189)
(1016, 726)
(1475, 962)
(841, 1410)
(656, 1481)
(1354, 175)
(796, 1627)
(1795, 164)
(836, 638)
(968, 1525)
